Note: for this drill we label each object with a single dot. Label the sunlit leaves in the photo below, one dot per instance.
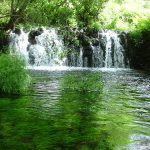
(123, 15)
(87, 11)
(110, 14)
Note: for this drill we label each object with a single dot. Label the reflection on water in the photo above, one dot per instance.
(79, 110)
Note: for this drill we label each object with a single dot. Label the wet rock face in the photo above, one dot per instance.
(87, 53)
(17, 31)
(139, 51)
(95, 42)
(4, 41)
(87, 42)
(92, 33)
(102, 43)
(123, 39)
(33, 34)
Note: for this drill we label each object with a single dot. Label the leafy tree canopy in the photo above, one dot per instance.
(49, 12)
(110, 14)
(124, 14)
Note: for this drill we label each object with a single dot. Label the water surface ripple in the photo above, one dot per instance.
(79, 109)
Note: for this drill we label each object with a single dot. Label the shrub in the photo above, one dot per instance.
(14, 77)
(138, 35)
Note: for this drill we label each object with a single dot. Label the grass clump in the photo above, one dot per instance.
(14, 78)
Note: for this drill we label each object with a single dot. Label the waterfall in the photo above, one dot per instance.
(39, 47)
(46, 47)
(109, 53)
(18, 43)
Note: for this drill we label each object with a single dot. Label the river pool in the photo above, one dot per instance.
(79, 109)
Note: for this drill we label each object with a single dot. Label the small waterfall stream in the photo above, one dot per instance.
(109, 53)
(45, 47)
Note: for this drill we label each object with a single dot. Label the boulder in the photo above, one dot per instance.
(17, 31)
(33, 34)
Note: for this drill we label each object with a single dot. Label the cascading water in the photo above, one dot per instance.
(18, 43)
(46, 47)
(109, 52)
(39, 48)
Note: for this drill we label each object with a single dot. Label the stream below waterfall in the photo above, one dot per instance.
(79, 109)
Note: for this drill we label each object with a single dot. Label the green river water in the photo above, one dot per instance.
(79, 109)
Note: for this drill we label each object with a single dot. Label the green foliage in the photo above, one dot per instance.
(72, 13)
(87, 11)
(137, 35)
(3, 41)
(13, 12)
(52, 13)
(143, 24)
(13, 75)
(109, 14)
(123, 15)
(4, 7)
